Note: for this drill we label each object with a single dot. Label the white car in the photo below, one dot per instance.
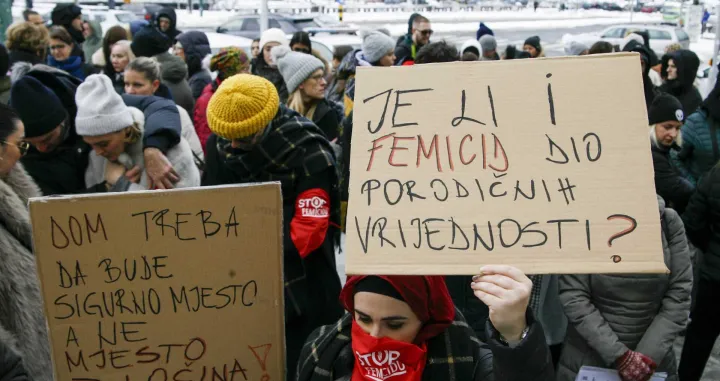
(660, 36)
(109, 18)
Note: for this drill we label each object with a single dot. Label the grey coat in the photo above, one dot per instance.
(21, 308)
(174, 76)
(609, 314)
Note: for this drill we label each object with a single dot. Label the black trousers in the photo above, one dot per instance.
(703, 330)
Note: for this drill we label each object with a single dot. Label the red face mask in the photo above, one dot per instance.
(385, 359)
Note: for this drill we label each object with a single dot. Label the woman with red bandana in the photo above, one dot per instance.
(406, 328)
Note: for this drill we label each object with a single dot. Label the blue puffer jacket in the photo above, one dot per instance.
(696, 157)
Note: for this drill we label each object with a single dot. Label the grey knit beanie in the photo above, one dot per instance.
(100, 110)
(295, 67)
(376, 45)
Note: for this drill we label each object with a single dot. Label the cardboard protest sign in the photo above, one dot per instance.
(174, 285)
(540, 164)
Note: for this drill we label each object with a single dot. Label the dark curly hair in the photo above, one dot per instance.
(437, 52)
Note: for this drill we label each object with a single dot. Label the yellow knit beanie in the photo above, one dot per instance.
(241, 106)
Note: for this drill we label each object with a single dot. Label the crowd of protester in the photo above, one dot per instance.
(150, 107)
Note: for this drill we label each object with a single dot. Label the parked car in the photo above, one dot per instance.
(249, 25)
(673, 14)
(142, 10)
(220, 40)
(660, 36)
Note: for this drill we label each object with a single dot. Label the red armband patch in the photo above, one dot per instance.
(309, 225)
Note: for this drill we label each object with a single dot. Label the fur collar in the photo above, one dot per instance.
(15, 191)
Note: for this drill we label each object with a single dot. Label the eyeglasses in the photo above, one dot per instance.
(23, 147)
(301, 50)
(426, 32)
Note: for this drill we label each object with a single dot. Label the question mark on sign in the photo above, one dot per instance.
(633, 226)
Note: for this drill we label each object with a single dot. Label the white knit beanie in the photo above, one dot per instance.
(295, 67)
(273, 35)
(376, 45)
(100, 110)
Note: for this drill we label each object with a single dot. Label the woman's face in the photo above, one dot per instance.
(119, 58)
(382, 316)
(266, 52)
(12, 149)
(388, 59)
(300, 48)
(667, 132)
(314, 87)
(109, 146)
(671, 70)
(60, 50)
(136, 83)
(255, 48)
(531, 49)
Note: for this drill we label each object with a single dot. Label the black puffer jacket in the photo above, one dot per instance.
(683, 88)
(702, 223)
(328, 116)
(171, 33)
(262, 69)
(196, 47)
(647, 56)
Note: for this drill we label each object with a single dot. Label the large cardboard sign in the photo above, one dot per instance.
(540, 164)
(174, 285)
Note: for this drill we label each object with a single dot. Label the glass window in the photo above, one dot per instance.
(251, 25)
(125, 17)
(287, 27)
(234, 24)
(659, 34)
(99, 18)
(614, 33)
(681, 35)
(306, 23)
(272, 23)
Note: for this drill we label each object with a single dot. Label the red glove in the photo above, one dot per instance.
(635, 366)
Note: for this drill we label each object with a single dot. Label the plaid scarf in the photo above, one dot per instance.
(452, 355)
(291, 149)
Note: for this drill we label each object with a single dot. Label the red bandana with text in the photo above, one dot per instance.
(385, 359)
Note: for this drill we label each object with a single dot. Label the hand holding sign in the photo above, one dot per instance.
(506, 292)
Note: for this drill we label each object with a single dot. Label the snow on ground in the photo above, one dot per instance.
(453, 21)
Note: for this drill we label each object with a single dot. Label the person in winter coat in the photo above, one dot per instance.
(304, 76)
(264, 65)
(408, 36)
(120, 56)
(414, 317)
(532, 45)
(256, 139)
(681, 70)
(58, 157)
(69, 17)
(629, 322)
(228, 62)
(336, 90)
(702, 223)
(22, 316)
(700, 136)
(646, 61)
(576, 49)
(472, 46)
(93, 33)
(11, 364)
(666, 119)
(142, 77)
(61, 48)
(193, 47)
(27, 42)
(5, 82)
(165, 21)
(301, 43)
(421, 33)
(149, 42)
(115, 133)
(101, 58)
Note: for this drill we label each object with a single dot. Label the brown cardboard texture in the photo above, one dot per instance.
(540, 164)
(164, 285)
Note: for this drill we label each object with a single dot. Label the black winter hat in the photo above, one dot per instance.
(149, 42)
(25, 96)
(64, 14)
(665, 108)
(4, 61)
(533, 41)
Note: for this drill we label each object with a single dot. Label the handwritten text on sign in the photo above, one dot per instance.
(541, 164)
(182, 285)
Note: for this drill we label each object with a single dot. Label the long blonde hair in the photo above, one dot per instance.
(295, 102)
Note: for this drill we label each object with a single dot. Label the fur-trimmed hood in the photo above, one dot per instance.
(21, 304)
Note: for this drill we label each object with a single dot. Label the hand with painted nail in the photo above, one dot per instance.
(506, 292)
